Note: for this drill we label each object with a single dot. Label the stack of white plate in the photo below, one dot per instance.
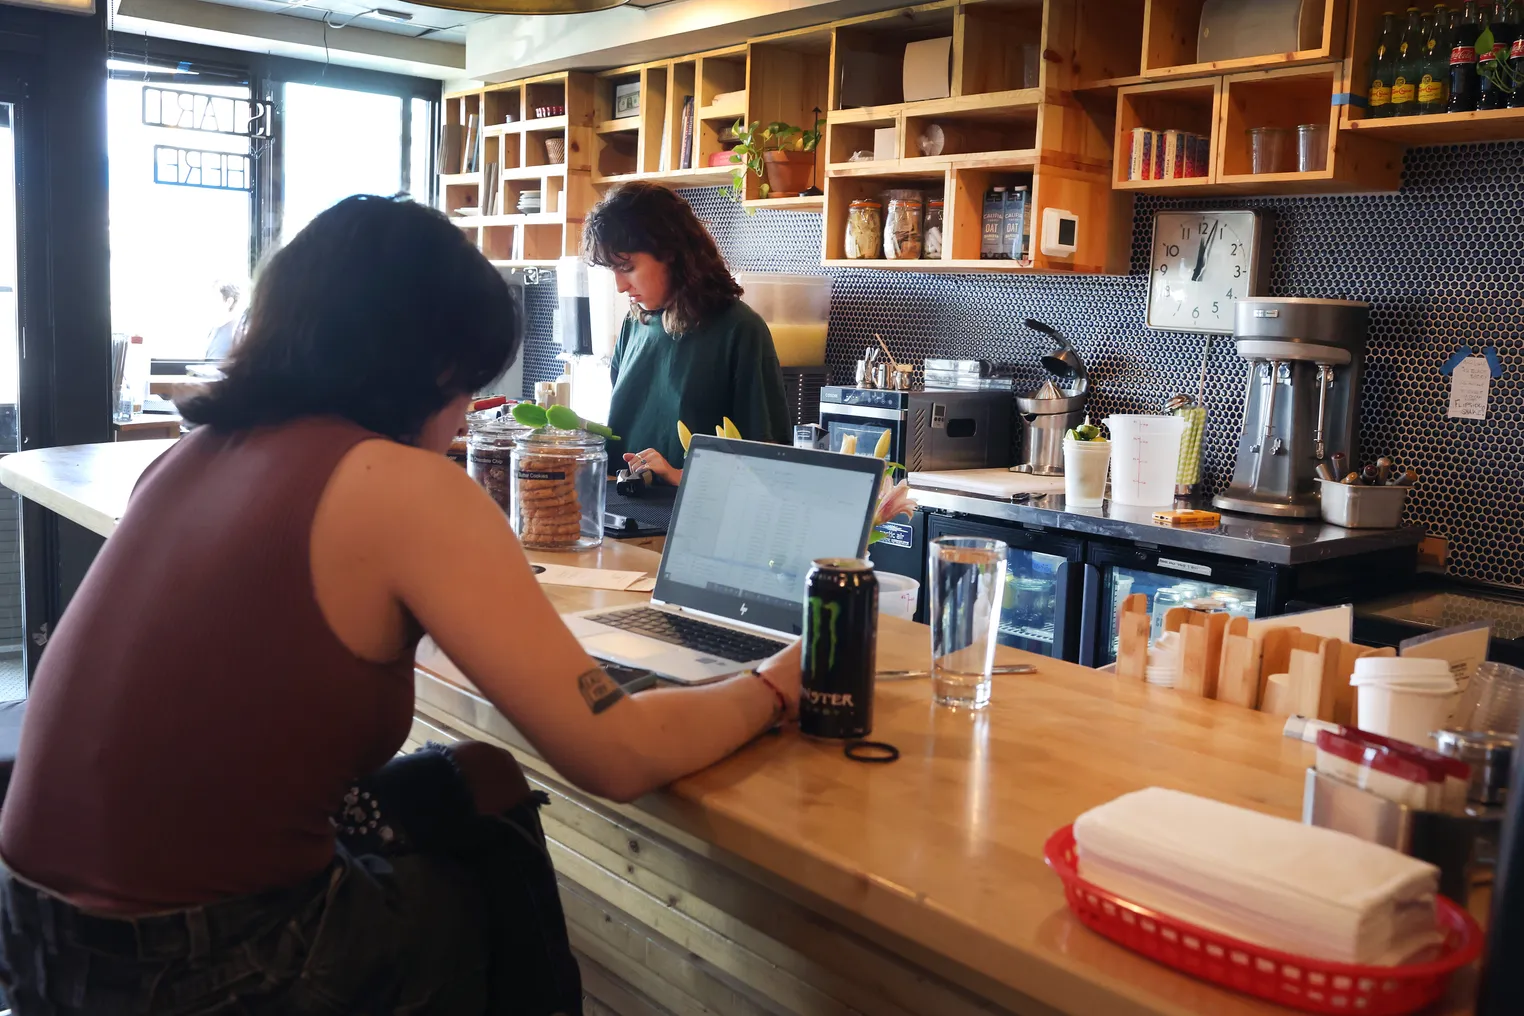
(529, 202)
(1164, 660)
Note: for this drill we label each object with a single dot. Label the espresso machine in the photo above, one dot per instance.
(1301, 401)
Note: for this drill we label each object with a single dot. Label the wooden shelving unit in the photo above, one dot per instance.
(999, 128)
(513, 151)
(1226, 107)
(648, 145)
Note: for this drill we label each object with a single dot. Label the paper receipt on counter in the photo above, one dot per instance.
(596, 578)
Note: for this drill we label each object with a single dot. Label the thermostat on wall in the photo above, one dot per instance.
(1060, 233)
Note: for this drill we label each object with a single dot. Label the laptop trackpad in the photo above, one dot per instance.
(624, 646)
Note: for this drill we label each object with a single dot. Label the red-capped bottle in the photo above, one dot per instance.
(1465, 86)
(1493, 67)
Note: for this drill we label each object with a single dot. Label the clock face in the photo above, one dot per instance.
(1200, 264)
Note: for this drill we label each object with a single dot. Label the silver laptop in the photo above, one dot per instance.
(749, 520)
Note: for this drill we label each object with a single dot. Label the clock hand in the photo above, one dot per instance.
(1200, 261)
(1206, 250)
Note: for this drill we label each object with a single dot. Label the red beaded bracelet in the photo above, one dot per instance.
(782, 700)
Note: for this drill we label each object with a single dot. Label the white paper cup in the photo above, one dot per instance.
(1085, 466)
(1407, 713)
(897, 595)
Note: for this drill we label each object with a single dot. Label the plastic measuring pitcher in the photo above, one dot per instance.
(1145, 454)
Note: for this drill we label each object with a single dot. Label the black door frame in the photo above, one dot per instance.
(64, 277)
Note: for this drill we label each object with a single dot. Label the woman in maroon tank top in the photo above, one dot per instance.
(203, 817)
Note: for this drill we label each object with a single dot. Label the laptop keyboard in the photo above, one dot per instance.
(699, 636)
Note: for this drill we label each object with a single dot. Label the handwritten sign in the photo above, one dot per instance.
(1470, 385)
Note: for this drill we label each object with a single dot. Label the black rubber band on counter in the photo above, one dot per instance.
(873, 752)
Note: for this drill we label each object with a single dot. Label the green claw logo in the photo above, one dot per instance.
(816, 608)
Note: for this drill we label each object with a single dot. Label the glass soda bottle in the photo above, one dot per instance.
(1383, 69)
(1434, 84)
(1409, 66)
(1465, 86)
(1516, 56)
(1491, 66)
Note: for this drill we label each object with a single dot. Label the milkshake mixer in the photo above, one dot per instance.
(1301, 400)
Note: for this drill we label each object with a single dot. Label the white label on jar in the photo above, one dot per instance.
(1186, 566)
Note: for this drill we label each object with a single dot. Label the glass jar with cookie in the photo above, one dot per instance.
(559, 487)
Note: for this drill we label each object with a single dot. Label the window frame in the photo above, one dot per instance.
(266, 77)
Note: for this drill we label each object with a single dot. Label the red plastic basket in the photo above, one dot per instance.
(1293, 981)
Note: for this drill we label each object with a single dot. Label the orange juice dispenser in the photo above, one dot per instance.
(797, 309)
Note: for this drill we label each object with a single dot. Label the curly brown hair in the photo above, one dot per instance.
(636, 218)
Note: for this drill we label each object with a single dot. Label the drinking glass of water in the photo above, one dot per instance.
(967, 577)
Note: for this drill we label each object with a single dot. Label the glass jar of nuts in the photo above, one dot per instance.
(560, 483)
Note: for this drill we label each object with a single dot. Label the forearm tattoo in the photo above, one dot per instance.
(599, 690)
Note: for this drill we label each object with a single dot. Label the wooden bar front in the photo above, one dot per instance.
(788, 879)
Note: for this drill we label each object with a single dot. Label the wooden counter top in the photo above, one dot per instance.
(937, 857)
(88, 484)
(942, 850)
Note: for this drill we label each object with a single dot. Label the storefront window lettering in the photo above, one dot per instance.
(194, 167)
(212, 114)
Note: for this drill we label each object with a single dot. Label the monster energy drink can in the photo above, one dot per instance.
(840, 636)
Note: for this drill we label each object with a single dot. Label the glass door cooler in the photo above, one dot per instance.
(1169, 578)
(1044, 585)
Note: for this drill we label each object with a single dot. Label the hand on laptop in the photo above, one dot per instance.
(657, 463)
(783, 671)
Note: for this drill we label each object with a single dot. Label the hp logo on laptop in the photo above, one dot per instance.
(743, 610)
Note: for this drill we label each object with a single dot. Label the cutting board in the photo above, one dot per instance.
(989, 482)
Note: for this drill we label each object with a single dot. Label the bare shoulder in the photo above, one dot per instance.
(383, 479)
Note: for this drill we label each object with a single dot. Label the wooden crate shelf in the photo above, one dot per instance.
(624, 123)
(1440, 129)
(533, 172)
(1171, 27)
(702, 176)
(1226, 107)
(543, 123)
(798, 203)
(514, 160)
(728, 112)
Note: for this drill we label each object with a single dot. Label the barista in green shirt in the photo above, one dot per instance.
(690, 350)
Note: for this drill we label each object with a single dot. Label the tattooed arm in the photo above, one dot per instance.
(449, 560)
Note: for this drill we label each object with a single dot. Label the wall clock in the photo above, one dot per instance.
(1199, 265)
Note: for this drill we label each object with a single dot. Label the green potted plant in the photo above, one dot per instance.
(781, 155)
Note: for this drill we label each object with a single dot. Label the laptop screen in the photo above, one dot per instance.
(751, 518)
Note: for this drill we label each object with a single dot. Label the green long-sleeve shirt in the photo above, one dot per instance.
(724, 367)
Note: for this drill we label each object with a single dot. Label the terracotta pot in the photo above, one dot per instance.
(789, 172)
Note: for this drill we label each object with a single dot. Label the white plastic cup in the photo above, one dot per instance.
(897, 595)
(1400, 668)
(1085, 465)
(1145, 457)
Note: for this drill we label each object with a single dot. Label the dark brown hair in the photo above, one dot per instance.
(636, 218)
(380, 312)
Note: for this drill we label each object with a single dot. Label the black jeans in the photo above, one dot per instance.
(427, 907)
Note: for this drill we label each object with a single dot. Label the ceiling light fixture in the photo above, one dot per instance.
(401, 16)
(524, 6)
